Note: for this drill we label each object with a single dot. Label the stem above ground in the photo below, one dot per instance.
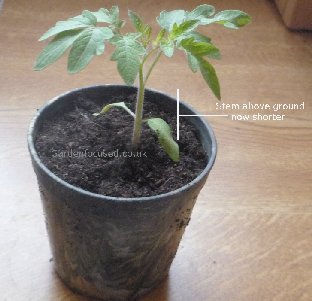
(137, 128)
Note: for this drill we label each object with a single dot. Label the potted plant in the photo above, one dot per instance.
(117, 189)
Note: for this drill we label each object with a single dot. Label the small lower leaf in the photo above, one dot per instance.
(163, 132)
(121, 105)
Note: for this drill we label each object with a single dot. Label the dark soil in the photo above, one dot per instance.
(68, 144)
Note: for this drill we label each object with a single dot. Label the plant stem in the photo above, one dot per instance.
(137, 129)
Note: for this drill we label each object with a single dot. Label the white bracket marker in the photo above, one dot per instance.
(178, 115)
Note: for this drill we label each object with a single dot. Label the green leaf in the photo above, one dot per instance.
(86, 46)
(163, 131)
(183, 28)
(127, 54)
(200, 48)
(192, 62)
(121, 105)
(159, 37)
(136, 21)
(210, 76)
(147, 31)
(198, 37)
(167, 19)
(114, 14)
(229, 18)
(103, 16)
(56, 48)
(109, 16)
(91, 17)
(70, 24)
(167, 48)
(201, 11)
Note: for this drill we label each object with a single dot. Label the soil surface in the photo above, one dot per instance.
(88, 151)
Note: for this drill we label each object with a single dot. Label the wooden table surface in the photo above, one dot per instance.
(250, 237)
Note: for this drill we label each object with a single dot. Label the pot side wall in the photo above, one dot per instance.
(110, 248)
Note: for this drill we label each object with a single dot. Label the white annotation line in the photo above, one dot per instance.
(191, 115)
(211, 115)
(178, 114)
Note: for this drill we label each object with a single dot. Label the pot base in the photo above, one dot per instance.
(87, 289)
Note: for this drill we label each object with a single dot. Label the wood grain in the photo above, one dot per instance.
(250, 237)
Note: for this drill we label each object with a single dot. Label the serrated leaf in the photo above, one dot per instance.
(210, 76)
(147, 31)
(163, 132)
(70, 24)
(198, 37)
(167, 48)
(167, 19)
(183, 28)
(92, 18)
(56, 48)
(121, 105)
(114, 14)
(200, 48)
(109, 16)
(127, 54)
(136, 21)
(159, 37)
(86, 46)
(201, 11)
(229, 18)
(103, 16)
(192, 62)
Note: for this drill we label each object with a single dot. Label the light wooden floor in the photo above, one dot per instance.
(250, 237)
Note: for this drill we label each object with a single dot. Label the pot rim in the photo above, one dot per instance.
(33, 152)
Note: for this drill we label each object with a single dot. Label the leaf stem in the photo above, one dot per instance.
(149, 54)
(152, 67)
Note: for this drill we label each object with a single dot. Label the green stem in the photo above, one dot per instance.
(152, 67)
(137, 129)
(149, 54)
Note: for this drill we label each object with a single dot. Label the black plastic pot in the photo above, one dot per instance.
(108, 247)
